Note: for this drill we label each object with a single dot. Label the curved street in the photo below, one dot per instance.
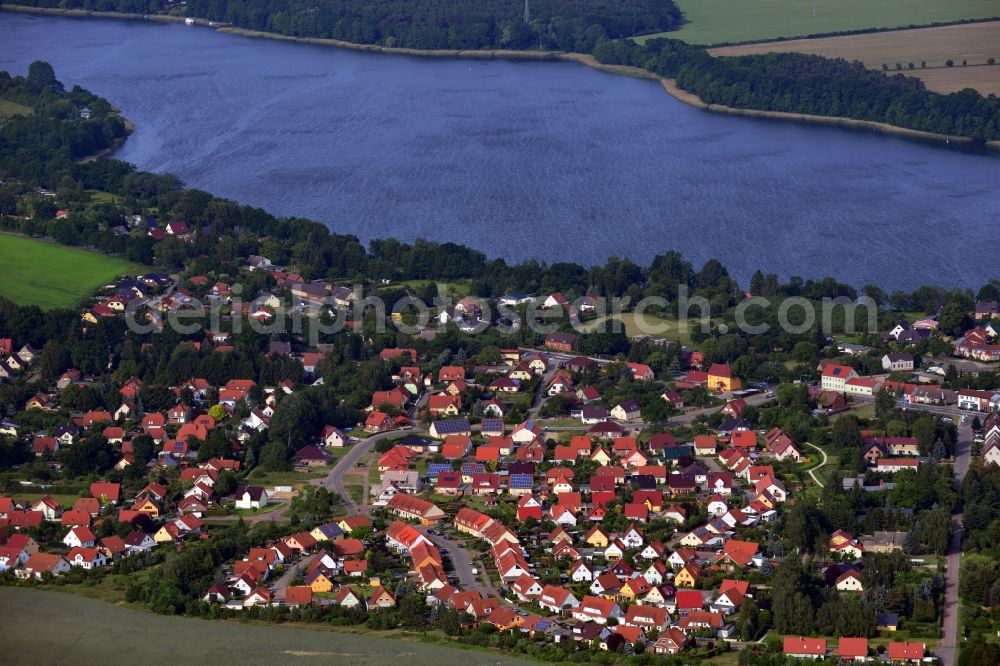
(462, 558)
(335, 479)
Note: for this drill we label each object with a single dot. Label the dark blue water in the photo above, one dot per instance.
(524, 159)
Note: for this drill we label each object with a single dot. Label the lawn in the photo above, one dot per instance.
(10, 109)
(666, 329)
(732, 21)
(455, 289)
(54, 276)
(65, 500)
(292, 478)
(98, 196)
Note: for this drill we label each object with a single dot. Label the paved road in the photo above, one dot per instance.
(461, 559)
(948, 649)
(281, 584)
(542, 393)
(335, 479)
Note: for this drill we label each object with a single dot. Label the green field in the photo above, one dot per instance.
(94, 632)
(666, 329)
(9, 109)
(54, 276)
(729, 21)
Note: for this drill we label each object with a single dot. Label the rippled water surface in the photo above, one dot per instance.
(524, 159)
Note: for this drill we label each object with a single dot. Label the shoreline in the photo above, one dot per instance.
(669, 85)
(115, 145)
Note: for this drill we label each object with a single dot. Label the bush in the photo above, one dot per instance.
(949, 63)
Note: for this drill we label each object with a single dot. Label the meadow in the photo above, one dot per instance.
(10, 109)
(733, 21)
(94, 632)
(53, 276)
(974, 43)
(665, 329)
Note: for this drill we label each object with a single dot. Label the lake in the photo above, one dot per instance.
(524, 159)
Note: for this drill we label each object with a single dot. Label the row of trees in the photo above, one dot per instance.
(565, 25)
(799, 83)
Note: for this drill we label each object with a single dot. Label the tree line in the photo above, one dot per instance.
(809, 84)
(561, 25)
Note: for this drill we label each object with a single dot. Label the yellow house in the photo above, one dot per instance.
(626, 594)
(163, 535)
(521, 374)
(601, 457)
(653, 598)
(655, 508)
(691, 539)
(721, 379)
(765, 500)
(537, 365)
(849, 550)
(688, 576)
(450, 410)
(597, 538)
(321, 583)
(510, 355)
(838, 539)
(148, 506)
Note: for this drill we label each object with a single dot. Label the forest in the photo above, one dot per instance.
(799, 83)
(561, 25)
(54, 133)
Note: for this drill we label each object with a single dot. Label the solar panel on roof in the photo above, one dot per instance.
(452, 426)
(434, 469)
(472, 468)
(521, 481)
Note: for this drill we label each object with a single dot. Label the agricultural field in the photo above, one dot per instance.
(54, 276)
(95, 632)
(10, 109)
(733, 21)
(928, 49)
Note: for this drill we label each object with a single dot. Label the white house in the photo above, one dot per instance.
(79, 537)
(897, 362)
(250, 497)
